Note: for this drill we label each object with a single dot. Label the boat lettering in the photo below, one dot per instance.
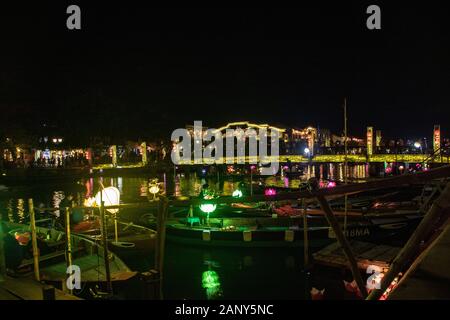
(357, 232)
(352, 233)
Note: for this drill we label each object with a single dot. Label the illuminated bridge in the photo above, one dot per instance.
(375, 158)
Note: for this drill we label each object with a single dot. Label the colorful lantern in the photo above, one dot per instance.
(110, 197)
(237, 193)
(270, 192)
(208, 208)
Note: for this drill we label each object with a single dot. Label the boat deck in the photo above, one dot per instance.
(366, 254)
(92, 269)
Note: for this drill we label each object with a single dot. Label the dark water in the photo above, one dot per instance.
(190, 272)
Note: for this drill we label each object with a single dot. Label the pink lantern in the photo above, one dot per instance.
(270, 192)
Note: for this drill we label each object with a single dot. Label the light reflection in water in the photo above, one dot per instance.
(21, 210)
(10, 209)
(186, 184)
(58, 196)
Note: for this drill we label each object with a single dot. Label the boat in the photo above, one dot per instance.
(125, 239)
(287, 232)
(132, 239)
(86, 254)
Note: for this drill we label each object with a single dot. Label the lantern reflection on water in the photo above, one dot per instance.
(211, 282)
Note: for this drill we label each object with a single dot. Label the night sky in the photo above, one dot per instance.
(139, 71)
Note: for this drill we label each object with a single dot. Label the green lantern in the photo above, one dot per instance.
(237, 193)
(208, 208)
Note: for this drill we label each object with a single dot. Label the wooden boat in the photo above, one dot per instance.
(86, 253)
(131, 239)
(288, 231)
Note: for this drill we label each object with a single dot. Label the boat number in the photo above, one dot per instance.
(352, 233)
(74, 279)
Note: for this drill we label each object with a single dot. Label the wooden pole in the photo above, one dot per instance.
(345, 162)
(69, 261)
(116, 230)
(34, 240)
(251, 181)
(345, 140)
(161, 239)
(341, 238)
(305, 235)
(413, 244)
(174, 179)
(105, 245)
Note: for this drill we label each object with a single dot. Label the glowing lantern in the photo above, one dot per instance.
(237, 193)
(22, 238)
(154, 188)
(208, 208)
(270, 192)
(110, 197)
(331, 184)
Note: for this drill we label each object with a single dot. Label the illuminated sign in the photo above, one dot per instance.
(378, 138)
(437, 138)
(369, 141)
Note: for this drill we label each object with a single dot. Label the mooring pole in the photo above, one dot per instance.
(305, 235)
(407, 252)
(174, 179)
(345, 163)
(251, 181)
(34, 240)
(68, 242)
(341, 238)
(105, 245)
(116, 229)
(161, 239)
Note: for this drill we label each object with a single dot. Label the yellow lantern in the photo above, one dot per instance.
(110, 197)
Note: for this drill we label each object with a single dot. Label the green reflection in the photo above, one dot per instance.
(211, 282)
